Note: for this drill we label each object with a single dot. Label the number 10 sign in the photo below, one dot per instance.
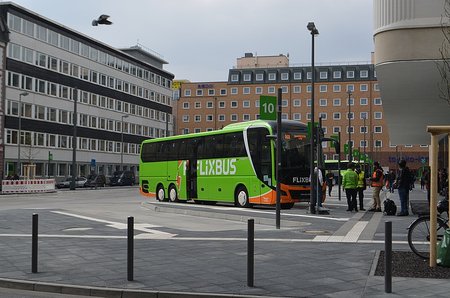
(268, 107)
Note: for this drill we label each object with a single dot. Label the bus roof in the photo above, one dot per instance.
(234, 127)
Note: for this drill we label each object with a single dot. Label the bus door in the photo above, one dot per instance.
(261, 156)
(191, 178)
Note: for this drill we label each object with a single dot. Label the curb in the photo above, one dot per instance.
(221, 215)
(106, 292)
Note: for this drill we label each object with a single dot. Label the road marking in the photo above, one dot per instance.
(146, 228)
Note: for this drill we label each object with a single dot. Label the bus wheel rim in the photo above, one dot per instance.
(161, 194)
(242, 198)
(173, 194)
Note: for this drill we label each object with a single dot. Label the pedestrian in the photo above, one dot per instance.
(361, 187)
(391, 179)
(330, 179)
(317, 190)
(426, 181)
(403, 184)
(350, 184)
(376, 181)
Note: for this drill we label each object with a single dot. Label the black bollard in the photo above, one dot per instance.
(130, 250)
(34, 243)
(250, 252)
(388, 257)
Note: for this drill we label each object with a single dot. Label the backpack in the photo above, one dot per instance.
(389, 207)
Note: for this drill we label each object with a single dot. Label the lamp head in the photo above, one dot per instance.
(312, 27)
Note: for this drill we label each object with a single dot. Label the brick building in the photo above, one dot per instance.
(204, 106)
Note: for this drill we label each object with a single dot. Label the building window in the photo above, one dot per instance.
(272, 76)
(198, 118)
(211, 92)
(336, 74)
(350, 101)
(297, 116)
(284, 89)
(363, 129)
(350, 87)
(260, 77)
(257, 103)
(297, 75)
(297, 89)
(364, 74)
(247, 77)
(297, 103)
(363, 115)
(308, 75)
(350, 74)
(336, 102)
(209, 118)
(185, 105)
(223, 91)
(323, 88)
(284, 103)
(336, 116)
(377, 101)
(284, 76)
(363, 144)
(271, 89)
(308, 102)
(363, 101)
(363, 87)
(234, 117)
(199, 92)
(378, 144)
(336, 129)
(376, 87)
(336, 88)
(185, 118)
(246, 117)
(323, 102)
(246, 103)
(323, 116)
(234, 91)
(350, 116)
(221, 104)
(323, 75)
(350, 129)
(209, 105)
(234, 104)
(221, 117)
(246, 90)
(378, 115)
(378, 129)
(198, 105)
(308, 116)
(308, 89)
(258, 90)
(234, 77)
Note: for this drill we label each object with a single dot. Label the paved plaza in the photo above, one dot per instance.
(310, 256)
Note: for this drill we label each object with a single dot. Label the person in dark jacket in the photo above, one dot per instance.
(403, 184)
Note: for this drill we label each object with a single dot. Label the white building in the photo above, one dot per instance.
(47, 67)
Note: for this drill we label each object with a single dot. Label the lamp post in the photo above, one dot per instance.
(19, 138)
(350, 150)
(312, 28)
(365, 145)
(121, 142)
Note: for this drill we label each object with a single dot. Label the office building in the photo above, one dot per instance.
(50, 72)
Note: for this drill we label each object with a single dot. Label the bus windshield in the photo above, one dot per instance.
(295, 150)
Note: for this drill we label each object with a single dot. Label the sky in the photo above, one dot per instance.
(201, 39)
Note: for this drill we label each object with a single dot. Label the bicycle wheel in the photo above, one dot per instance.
(419, 235)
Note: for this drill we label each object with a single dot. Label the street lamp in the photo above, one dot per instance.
(365, 145)
(312, 28)
(121, 142)
(19, 139)
(349, 128)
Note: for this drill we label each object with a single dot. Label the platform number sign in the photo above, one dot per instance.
(268, 107)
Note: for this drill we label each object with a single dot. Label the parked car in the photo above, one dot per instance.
(95, 180)
(122, 178)
(79, 182)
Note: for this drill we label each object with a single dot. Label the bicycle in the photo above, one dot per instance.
(419, 230)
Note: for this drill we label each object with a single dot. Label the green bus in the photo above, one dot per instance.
(235, 164)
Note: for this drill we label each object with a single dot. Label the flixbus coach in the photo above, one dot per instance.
(235, 164)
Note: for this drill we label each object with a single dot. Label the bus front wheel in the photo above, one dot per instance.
(173, 194)
(160, 195)
(241, 197)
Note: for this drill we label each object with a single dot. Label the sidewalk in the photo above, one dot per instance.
(192, 265)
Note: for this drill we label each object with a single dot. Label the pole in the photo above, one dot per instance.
(250, 252)
(339, 168)
(319, 164)
(433, 198)
(130, 249)
(350, 157)
(215, 113)
(365, 145)
(311, 27)
(278, 157)
(34, 243)
(121, 141)
(19, 137)
(388, 257)
(74, 140)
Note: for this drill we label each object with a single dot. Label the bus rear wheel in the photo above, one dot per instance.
(241, 197)
(173, 194)
(160, 195)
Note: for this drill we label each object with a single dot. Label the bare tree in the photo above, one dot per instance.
(444, 50)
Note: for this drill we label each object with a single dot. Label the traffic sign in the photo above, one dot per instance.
(268, 107)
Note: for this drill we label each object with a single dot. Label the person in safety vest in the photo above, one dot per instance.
(361, 186)
(377, 181)
(349, 184)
